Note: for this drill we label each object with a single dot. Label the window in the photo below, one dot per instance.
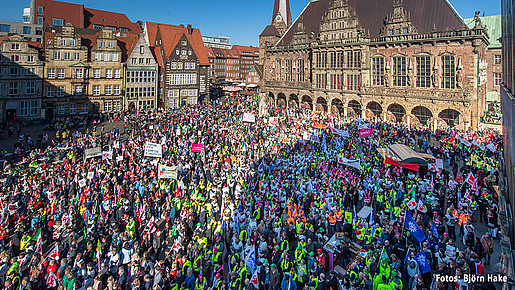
(50, 92)
(332, 59)
(98, 27)
(39, 31)
(354, 59)
(30, 58)
(177, 52)
(96, 90)
(73, 109)
(399, 71)
(124, 29)
(189, 52)
(63, 42)
(321, 81)
(15, 58)
(148, 60)
(57, 55)
(30, 88)
(61, 73)
(141, 61)
(24, 108)
(108, 90)
(51, 73)
(109, 73)
(497, 59)
(108, 107)
(116, 106)
(378, 71)
(40, 20)
(115, 57)
(116, 90)
(71, 42)
(26, 30)
(183, 52)
(183, 42)
(300, 70)
(289, 70)
(106, 56)
(40, 10)
(61, 109)
(67, 55)
(353, 82)
(173, 65)
(134, 61)
(13, 89)
(179, 65)
(117, 73)
(76, 56)
(13, 71)
(497, 79)
(192, 65)
(77, 90)
(60, 91)
(423, 71)
(31, 71)
(15, 46)
(33, 107)
(102, 44)
(110, 44)
(58, 22)
(5, 28)
(96, 73)
(85, 109)
(98, 56)
(448, 72)
(186, 65)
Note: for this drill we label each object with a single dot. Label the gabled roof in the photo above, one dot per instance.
(494, 26)
(171, 34)
(270, 30)
(107, 18)
(425, 15)
(156, 51)
(127, 45)
(245, 50)
(90, 40)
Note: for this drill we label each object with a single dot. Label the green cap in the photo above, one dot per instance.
(311, 254)
(273, 266)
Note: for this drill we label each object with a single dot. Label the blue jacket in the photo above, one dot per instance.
(190, 282)
(284, 283)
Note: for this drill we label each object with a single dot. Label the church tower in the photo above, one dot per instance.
(281, 21)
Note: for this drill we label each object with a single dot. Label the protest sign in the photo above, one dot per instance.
(248, 117)
(167, 172)
(153, 150)
(93, 152)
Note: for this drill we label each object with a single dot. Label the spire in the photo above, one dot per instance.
(282, 12)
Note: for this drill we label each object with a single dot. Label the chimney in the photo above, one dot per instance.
(190, 30)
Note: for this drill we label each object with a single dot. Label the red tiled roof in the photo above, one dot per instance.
(210, 52)
(3, 37)
(72, 13)
(107, 18)
(156, 51)
(36, 44)
(425, 14)
(127, 45)
(249, 50)
(171, 34)
(89, 40)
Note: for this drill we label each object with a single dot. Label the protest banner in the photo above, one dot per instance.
(348, 162)
(343, 133)
(167, 172)
(200, 148)
(93, 152)
(153, 150)
(273, 122)
(249, 118)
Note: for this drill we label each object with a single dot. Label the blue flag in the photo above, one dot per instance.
(372, 222)
(423, 262)
(435, 231)
(413, 228)
(408, 255)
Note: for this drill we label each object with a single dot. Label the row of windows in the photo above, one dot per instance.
(18, 71)
(114, 106)
(17, 58)
(289, 70)
(348, 59)
(145, 105)
(141, 60)
(140, 92)
(29, 108)
(69, 42)
(182, 79)
(67, 55)
(106, 56)
(60, 73)
(72, 109)
(337, 82)
(15, 88)
(423, 74)
(180, 65)
(183, 93)
(141, 77)
(78, 90)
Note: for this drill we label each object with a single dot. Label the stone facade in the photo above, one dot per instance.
(141, 78)
(21, 78)
(401, 74)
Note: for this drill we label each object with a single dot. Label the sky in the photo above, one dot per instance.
(241, 20)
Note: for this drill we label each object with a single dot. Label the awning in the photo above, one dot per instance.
(404, 154)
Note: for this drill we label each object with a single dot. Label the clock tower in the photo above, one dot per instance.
(282, 15)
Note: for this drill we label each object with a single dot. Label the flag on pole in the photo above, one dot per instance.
(412, 204)
(54, 254)
(384, 255)
(421, 207)
(472, 181)
(388, 174)
(423, 262)
(51, 280)
(254, 280)
(435, 231)
(413, 228)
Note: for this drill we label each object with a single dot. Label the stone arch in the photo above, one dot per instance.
(337, 106)
(423, 114)
(321, 104)
(293, 102)
(397, 111)
(375, 108)
(270, 100)
(355, 108)
(451, 117)
(281, 100)
(307, 102)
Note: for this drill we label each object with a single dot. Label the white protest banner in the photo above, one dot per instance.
(343, 133)
(167, 172)
(351, 163)
(82, 182)
(153, 150)
(439, 163)
(248, 117)
(91, 174)
(119, 158)
(107, 155)
(178, 131)
(93, 152)
(306, 136)
(116, 144)
(273, 122)
(491, 147)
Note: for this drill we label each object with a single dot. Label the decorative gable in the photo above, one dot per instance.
(398, 22)
(340, 23)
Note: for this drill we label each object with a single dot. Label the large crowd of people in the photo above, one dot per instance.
(293, 200)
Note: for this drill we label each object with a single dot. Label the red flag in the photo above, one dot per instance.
(472, 181)
(388, 174)
(421, 207)
(412, 167)
(54, 254)
(51, 281)
(412, 204)
(254, 280)
(39, 245)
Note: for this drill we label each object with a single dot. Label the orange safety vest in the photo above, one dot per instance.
(332, 219)
(339, 216)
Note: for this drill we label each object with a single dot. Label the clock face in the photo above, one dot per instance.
(279, 18)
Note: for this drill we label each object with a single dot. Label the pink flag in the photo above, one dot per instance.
(365, 132)
(198, 148)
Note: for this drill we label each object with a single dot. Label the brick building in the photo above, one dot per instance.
(56, 13)
(21, 78)
(232, 64)
(183, 63)
(397, 60)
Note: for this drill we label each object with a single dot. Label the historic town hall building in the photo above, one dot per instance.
(412, 61)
